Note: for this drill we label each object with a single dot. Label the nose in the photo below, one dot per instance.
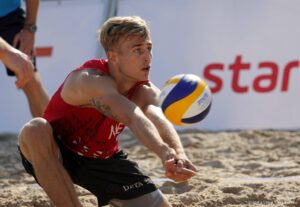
(148, 56)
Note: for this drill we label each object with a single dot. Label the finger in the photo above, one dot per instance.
(176, 179)
(19, 82)
(170, 165)
(21, 78)
(16, 40)
(179, 165)
(180, 177)
(186, 163)
(23, 48)
(189, 165)
(185, 174)
(28, 50)
(188, 172)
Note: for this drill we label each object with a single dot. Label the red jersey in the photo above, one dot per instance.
(85, 130)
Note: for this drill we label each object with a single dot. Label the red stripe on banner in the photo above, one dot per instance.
(43, 51)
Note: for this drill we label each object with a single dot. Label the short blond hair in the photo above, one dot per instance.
(116, 28)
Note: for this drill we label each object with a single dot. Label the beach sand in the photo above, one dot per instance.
(235, 168)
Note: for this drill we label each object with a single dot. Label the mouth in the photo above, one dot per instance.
(146, 68)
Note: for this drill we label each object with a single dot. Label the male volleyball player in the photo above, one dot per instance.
(76, 141)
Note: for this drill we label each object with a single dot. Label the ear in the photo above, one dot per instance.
(112, 56)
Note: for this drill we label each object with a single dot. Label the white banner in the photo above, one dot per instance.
(247, 51)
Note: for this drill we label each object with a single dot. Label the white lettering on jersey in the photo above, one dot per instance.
(115, 130)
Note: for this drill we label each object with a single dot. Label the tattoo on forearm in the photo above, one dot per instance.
(105, 109)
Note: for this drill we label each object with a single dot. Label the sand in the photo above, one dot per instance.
(237, 168)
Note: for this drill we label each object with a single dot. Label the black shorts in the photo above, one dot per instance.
(112, 178)
(10, 25)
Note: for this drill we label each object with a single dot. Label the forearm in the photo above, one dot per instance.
(31, 11)
(147, 133)
(120, 109)
(165, 128)
(2, 47)
(5, 48)
(170, 136)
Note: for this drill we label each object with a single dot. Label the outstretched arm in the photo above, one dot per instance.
(179, 167)
(87, 88)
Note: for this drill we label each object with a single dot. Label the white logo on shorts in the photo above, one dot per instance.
(132, 186)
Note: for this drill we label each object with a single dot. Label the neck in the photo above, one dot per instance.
(123, 81)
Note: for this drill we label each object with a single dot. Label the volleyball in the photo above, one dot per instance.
(185, 99)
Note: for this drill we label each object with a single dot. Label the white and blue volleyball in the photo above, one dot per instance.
(185, 99)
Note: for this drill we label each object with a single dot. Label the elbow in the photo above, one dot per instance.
(133, 119)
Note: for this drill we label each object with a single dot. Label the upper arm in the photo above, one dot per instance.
(147, 95)
(81, 86)
(89, 88)
(147, 98)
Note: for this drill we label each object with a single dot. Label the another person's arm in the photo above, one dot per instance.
(17, 61)
(26, 37)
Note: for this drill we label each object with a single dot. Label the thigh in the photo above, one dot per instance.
(153, 199)
(113, 178)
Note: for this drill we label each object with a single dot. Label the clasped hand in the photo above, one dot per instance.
(179, 168)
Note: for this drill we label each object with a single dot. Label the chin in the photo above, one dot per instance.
(146, 78)
(147, 75)
(143, 79)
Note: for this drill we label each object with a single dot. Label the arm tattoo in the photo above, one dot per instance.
(105, 109)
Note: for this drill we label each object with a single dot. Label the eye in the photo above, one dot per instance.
(138, 51)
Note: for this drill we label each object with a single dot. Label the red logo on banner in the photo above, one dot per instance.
(44, 51)
(238, 67)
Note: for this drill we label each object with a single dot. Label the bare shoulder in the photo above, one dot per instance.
(147, 94)
(81, 85)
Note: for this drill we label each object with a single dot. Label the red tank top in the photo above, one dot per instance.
(85, 130)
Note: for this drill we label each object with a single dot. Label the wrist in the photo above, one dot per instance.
(31, 27)
(166, 153)
(180, 152)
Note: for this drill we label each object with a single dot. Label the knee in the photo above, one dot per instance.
(35, 132)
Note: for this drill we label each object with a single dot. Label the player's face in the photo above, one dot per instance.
(134, 58)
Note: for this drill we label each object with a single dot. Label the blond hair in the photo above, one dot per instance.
(117, 28)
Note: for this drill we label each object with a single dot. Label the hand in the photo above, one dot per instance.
(20, 64)
(179, 168)
(25, 39)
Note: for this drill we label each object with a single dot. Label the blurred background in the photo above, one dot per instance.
(247, 52)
